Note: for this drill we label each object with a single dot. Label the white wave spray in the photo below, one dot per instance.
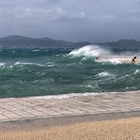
(90, 50)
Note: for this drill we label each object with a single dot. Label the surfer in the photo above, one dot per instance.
(134, 60)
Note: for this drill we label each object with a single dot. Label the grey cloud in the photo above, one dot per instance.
(53, 14)
(67, 17)
(27, 3)
(135, 14)
(88, 20)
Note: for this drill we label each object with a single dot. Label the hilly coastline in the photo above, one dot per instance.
(22, 41)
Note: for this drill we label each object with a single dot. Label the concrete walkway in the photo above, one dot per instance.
(12, 109)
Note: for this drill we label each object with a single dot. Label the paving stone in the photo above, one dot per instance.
(42, 107)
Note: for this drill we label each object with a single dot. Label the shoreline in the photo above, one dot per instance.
(71, 95)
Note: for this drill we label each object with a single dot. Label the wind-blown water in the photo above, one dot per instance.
(45, 71)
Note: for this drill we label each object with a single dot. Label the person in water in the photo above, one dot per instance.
(134, 60)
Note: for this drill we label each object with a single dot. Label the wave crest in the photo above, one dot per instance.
(27, 63)
(90, 50)
(104, 74)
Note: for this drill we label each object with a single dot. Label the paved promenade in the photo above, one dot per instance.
(12, 109)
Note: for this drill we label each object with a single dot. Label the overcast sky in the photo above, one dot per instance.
(71, 20)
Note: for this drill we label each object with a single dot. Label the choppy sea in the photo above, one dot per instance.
(53, 71)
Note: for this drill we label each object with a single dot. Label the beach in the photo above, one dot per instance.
(119, 129)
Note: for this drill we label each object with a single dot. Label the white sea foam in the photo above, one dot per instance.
(111, 60)
(118, 60)
(36, 50)
(65, 96)
(2, 64)
(50, 66)
(137, 71)
(71, 95)
(104, 74)
(27, 63)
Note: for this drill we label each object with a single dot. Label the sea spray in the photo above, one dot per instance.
(90, 50)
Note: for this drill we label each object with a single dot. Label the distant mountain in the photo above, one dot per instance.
(21, 41)
(125, 43)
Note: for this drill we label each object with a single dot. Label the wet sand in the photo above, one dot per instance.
(101, 127)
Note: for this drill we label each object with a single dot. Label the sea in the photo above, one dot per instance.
(92, 69)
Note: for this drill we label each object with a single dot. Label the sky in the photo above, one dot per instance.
(71, 20)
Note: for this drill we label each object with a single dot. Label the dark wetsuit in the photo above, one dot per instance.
(133, 60)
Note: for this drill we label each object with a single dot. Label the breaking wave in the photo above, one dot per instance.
(101, 54)
(90, 50)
